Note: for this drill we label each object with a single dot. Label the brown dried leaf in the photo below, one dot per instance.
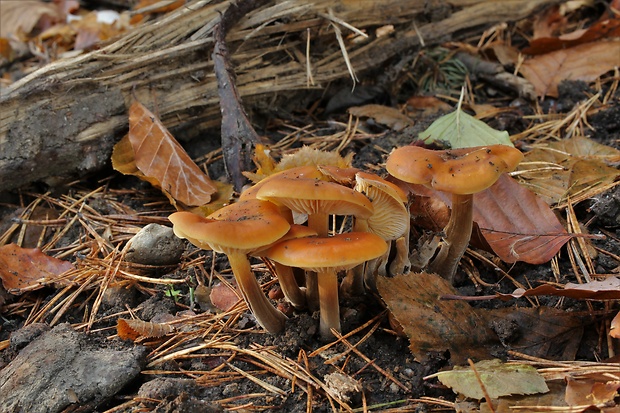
(390, 117)
(605, 29)
(426, 106)
(518, 225)
(21, 17)
(223, 297)
(129, 329)
(26, 267)
(515, 223)
(160, 158)
(565, 168)
(544, 332)
(583, 62)
(583, 392)
(608, 289)
(433, 324)
(614, 328)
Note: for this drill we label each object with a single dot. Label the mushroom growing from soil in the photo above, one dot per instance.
(238, 230)
(327, 256)
(390, 220)
(460, 172)
(318, 199)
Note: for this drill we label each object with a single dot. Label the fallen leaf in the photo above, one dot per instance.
(223, 297)
(27, 267)
(543, 332)
(499, 380)
(614, 328)
(531, 403)
(583, 392)
(423, 106)
(605, 29)
(561, 170)
(433, 324)
(461, 130)
(98, 26)
(385, 115)
(515, 223)
(21, 17)
(584, 62)
(150, 152)
(130, 329)
(608, 289)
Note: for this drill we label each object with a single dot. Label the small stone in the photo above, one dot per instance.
(231, 389)
(343, 387)
(155, 245)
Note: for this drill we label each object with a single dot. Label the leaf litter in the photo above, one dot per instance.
(106, 222)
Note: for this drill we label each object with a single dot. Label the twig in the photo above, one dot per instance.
(238, 135)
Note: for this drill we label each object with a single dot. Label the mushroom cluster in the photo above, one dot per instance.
(262, 225)
(308, 258)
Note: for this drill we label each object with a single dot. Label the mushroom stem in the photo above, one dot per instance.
(458, 233)
(353, 283)
(319, 222)
(330, 310)
(289, 286)
(266, 314)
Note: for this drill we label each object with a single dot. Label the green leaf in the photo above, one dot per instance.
(461, 130)
(499, 380)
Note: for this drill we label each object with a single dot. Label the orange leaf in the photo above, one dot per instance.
(601, 30)
(132, 329)
(163, 161)
(518, 225)
(25, 267)
(583, 62)
(385, 115)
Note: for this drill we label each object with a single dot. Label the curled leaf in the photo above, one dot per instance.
(152, 153)
(132, 329)
(28, 267)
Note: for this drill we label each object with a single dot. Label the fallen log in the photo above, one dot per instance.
(63, 119)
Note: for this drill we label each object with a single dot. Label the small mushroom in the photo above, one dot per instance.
(318, 199)
(390, 220)
(291, 290)
(460, 172)
(238, 230)
(327, 256)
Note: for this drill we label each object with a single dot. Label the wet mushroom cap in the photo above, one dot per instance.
(340, 252)
(459, 171)
(245, 226)
(311, 196)
(299, 172)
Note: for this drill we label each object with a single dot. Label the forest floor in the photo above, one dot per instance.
(62, 336)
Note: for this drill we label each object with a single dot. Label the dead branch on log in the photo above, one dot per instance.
(238, 135)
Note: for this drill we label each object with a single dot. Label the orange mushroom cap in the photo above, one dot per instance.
(458, 171)
(299, 172)
(311, 196)
(340, 252)
(245, 226)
